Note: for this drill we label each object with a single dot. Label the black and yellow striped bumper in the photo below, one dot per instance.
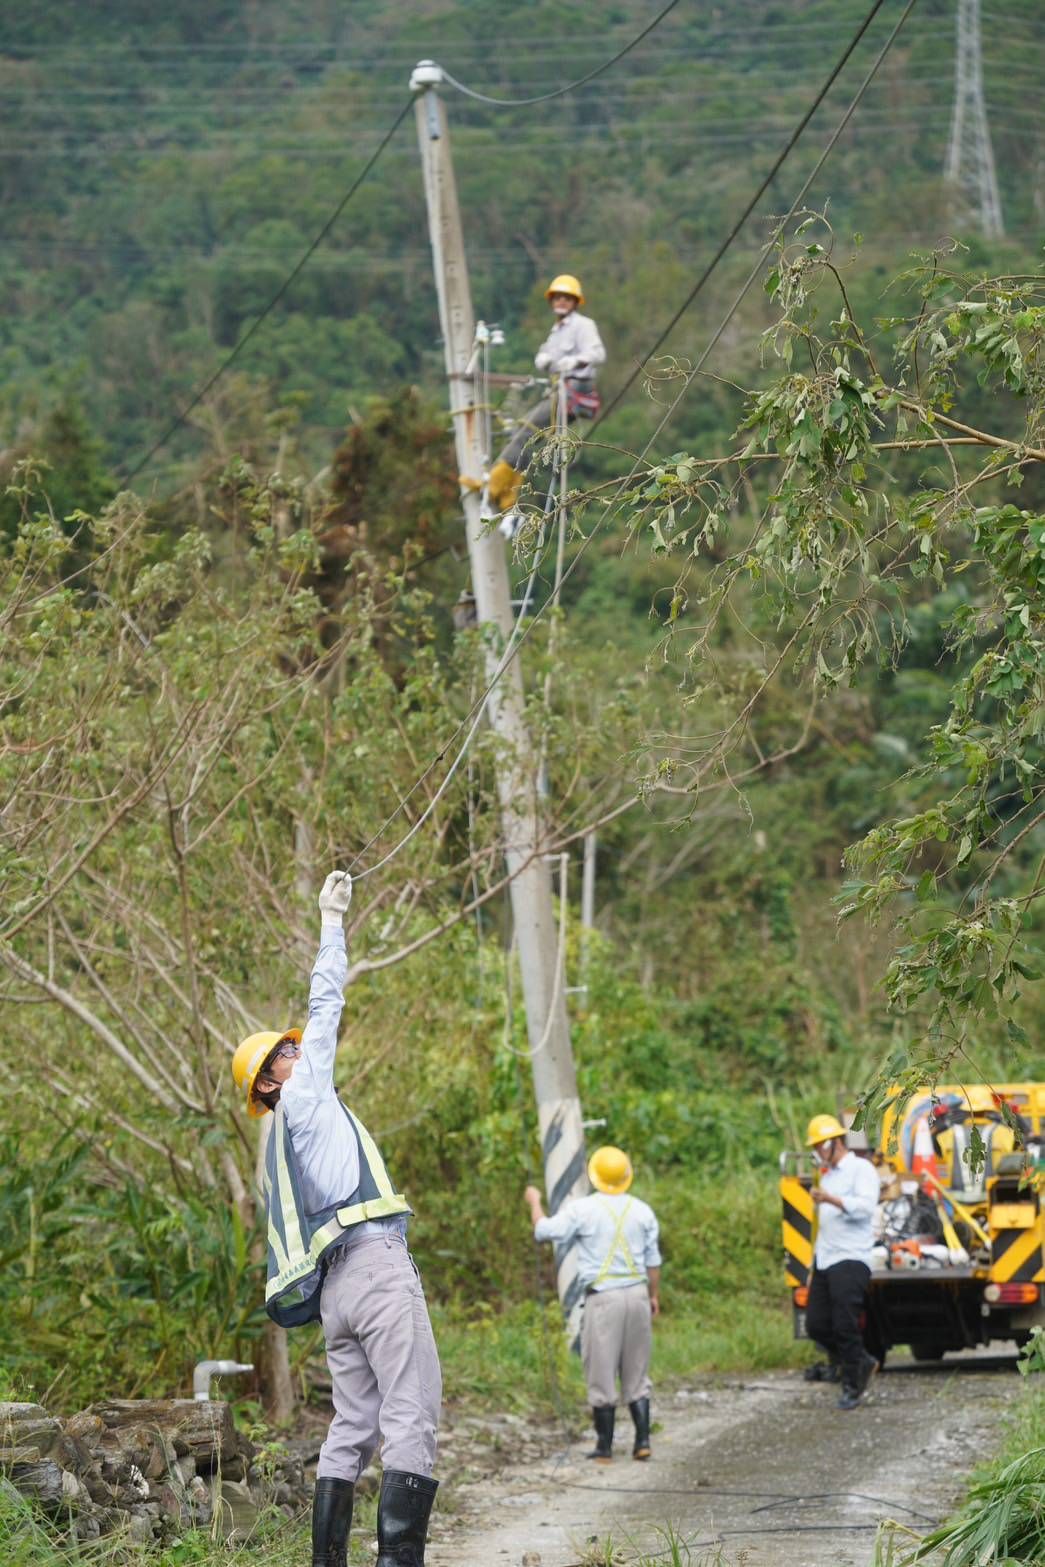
(797, 1202)
(1016, 1257)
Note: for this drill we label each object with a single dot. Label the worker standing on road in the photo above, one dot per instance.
(572, 350)
(618, 1265)
(337, 1252)
(846, 1198)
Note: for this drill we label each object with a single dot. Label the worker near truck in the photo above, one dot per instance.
(572, 350)
(846, 1199)
(337, 1253)
(618, 1267)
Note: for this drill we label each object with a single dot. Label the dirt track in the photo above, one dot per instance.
(767, 1466)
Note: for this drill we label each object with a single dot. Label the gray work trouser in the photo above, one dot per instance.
(531, 427)
(383, 1362)
(616, 1340)
(534, 426)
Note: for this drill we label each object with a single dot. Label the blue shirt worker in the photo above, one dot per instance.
(846, 1199)
(618, 1265)
(337, 1253)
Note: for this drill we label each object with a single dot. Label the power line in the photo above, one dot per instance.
(749, 208)
(626, 138)
(180, 419)
(560, 92)
(780, 227)
(408, 51)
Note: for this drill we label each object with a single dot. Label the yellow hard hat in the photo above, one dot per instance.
(609, 1170)
(565, 283)
(247, 1060)
(822, 1128)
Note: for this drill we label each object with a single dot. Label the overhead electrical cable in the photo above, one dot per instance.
(748, 210)
(559, 92)
(795, 206)
(519, 638)
(475, 714)
(230, 358)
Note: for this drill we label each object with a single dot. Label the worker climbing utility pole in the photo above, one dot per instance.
(547, 1023)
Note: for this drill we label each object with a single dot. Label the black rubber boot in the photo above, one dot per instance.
(402, 1518)
(331, 1521)
(603, 1417)
(640, 1417)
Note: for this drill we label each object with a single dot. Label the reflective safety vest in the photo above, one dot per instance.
(619, 1244)
(298, 1241)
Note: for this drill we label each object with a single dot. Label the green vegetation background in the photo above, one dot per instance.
(163, 171)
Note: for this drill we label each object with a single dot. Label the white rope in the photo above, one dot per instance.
(561, 471)
(505, 660)
(560, 973)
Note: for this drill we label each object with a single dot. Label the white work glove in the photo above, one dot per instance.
(542, 361)
(335, 898)
(569, 362)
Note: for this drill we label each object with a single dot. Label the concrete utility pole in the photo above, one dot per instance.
(970, 156)
(547, 1024)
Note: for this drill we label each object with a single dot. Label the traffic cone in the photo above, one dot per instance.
(923, 1158)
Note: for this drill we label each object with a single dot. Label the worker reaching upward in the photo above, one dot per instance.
(618, 1266)
(337, 1253)
(572, 350)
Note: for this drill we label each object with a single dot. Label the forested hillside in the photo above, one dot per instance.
(162, 173)
(239, 671)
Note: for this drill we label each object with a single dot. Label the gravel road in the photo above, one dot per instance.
(766, 1467)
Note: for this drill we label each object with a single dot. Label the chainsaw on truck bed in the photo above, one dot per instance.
(959, 1259)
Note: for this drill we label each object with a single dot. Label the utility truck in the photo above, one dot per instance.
(959, 1259)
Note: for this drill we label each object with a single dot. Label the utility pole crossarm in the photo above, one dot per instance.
(547, 1023)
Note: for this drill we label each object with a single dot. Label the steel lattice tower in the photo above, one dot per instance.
(970, 157)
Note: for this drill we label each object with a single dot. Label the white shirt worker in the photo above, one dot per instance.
(572, 344)
(844, 1234)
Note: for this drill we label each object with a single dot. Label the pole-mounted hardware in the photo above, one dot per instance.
(425, 76)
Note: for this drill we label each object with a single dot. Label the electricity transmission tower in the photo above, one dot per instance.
(970, 157)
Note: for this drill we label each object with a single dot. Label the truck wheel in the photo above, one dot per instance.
(927, 1350)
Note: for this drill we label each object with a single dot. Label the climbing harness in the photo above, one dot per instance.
(582, 400)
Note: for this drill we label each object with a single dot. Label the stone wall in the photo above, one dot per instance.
(146, 1468)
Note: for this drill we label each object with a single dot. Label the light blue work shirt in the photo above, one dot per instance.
(593, 1223)
(574, 341)
(323, 1139)
(844, 1235)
